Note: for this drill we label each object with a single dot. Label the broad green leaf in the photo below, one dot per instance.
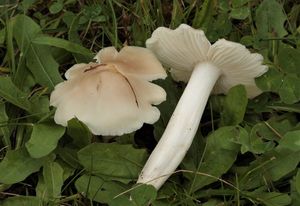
(257, 106)
(53, 179)
(270, 81)
(239, 3)
(17, 165)
(40, 106)
(44, 139)
(290, 89)
(22, 201)
(166, 108)
(12, 94)
(68, 170)
(271, 198)
(10, 44)
(286, 85)
(61, 56)
(96, 189)
(26, 4)
(143, 194)
(289, 61)
(255, 141)
(38, 57)
(274, 129)
(2, 35)
(4, 187)
(291, 141)
(121, 201)
(284, 162)
(220, 154)
(212, 202)
(20, 74)
(41, 190)
(285, 107)
(113, 160)
(294, 15)
(234, 106)
(270, 19)
(158, 202)
(295, 189)
(240, 13)
(223, 5)
(69, 156)
(216, 103)
(194, 154)
(56, 6)
(79, 133)
(23, 78)
(297, 178)
(4, 130)
(93, 13)
(134, 137)
(275, 164)
(68, 17)
(44, 190)
(64, 44)
(221, 26)
(43, 66)
(247, 40)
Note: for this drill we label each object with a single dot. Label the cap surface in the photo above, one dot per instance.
(185, 47)
(136, 61)
(111, 97)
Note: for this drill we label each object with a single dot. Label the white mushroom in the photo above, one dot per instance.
(112, 96)
(207, 68)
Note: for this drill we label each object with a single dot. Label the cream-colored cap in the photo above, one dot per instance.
(112, 96)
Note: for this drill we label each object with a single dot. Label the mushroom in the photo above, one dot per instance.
(207, 68)
(113, 95)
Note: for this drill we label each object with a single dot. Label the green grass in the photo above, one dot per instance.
(242, 154)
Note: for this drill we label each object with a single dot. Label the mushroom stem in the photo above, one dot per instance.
(182, 126)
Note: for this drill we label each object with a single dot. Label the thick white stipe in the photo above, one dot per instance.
(182, 126)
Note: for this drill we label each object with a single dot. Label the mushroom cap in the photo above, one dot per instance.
(113, 96)
(185, 47)
(134, 61)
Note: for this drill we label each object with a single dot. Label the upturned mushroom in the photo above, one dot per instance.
(207, 69)
(113, 95)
